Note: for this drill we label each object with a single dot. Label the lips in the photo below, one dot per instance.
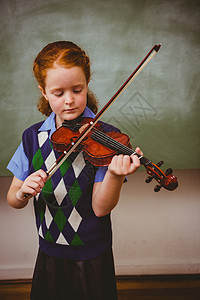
(70, 110)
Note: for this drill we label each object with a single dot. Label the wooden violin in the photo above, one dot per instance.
(99, 148)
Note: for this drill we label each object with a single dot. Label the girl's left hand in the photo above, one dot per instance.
(124, 164)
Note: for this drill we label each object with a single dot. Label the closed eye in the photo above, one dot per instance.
(76, 91)
(58, 93)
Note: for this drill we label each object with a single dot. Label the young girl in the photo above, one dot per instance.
(73, 207)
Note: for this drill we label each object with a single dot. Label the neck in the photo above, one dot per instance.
(69, 123)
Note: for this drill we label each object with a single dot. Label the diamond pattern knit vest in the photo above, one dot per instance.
(56, 204)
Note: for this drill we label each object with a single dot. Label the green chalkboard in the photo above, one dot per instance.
(159, 110)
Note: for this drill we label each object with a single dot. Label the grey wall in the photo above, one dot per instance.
(159, 110)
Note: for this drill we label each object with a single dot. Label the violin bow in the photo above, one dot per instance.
(54, 167)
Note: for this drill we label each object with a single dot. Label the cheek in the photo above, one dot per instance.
(54, 104)
(83, 100)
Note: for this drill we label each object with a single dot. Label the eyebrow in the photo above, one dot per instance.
(56, 89)
(73, 87)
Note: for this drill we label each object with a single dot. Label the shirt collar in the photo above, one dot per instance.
(88, 113)
(49, 123)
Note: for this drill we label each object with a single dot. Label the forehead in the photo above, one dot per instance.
(59, 76)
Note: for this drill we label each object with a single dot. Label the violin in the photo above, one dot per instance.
(99, 148)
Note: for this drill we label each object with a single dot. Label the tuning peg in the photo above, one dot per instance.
(160, 163)
(149, 179)
(157, 188)
(168, 171)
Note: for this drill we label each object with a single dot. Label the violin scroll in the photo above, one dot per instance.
(166, 180)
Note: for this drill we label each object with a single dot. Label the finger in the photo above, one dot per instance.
(37, 187)
(28, 191)
(138, 150)
(116, 164)
(39, 177)
(42, 174)
(33, 185)
(33, 188)
(40, 181)
(136, 161)
(123, 164)
(20, 195)
(126, 162)
(119, 160)
(35, 182)
(113, 163)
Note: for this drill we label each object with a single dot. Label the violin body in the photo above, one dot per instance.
(99, 148)
(97, 153)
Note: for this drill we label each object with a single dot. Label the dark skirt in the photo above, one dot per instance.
(62, 279)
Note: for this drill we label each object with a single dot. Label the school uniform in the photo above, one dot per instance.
(75, 258)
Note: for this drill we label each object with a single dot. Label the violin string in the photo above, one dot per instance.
(110, 142)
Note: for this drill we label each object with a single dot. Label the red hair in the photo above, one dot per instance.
(66, 54)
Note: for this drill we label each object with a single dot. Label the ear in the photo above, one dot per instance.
(43, 92)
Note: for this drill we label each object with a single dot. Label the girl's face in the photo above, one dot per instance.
(66, 90)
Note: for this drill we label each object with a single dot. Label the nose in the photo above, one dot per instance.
(69, 98)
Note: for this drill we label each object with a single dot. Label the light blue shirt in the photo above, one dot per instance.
(19, 164)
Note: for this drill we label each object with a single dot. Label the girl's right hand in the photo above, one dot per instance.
(32, 185)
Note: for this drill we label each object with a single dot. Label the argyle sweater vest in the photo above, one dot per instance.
(66, 223)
